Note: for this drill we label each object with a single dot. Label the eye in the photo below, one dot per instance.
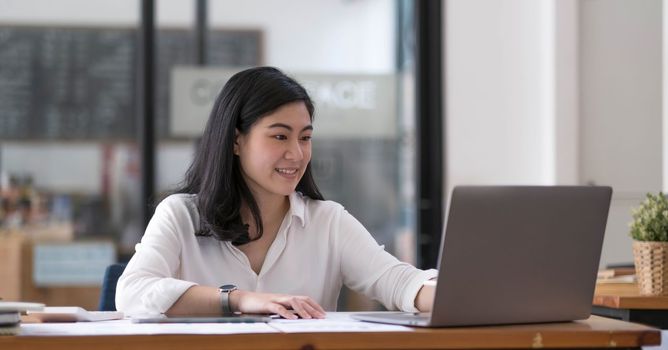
(306, 138)
(281, 137)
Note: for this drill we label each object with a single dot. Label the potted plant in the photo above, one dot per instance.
(649, 230)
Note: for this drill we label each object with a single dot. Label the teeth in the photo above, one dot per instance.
(287, 171)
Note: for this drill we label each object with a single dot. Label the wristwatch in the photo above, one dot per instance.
(225, 291)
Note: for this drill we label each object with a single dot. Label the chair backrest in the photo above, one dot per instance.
(108, 292)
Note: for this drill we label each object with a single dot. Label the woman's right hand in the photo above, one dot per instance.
(281, 304)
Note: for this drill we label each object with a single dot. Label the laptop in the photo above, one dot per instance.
(515, 254)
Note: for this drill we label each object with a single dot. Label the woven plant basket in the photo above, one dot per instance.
(651, 260)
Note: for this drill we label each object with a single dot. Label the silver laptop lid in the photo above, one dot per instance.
(520, 254)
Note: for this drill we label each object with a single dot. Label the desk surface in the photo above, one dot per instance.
(631, 302)
(626, 296)
(595, 332)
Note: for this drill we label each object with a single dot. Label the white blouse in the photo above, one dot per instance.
(318, 248)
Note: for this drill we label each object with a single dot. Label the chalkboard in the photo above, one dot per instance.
(81, 83)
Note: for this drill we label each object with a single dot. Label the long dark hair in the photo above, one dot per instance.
(215, 173)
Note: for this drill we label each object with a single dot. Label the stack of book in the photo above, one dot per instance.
(9, 322)
(10, 315)
(616, 272)
(616, 281)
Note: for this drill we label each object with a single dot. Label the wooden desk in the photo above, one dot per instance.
(622, 301)
(596, 332)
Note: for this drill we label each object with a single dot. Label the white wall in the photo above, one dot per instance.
(557, 92)
(497, 124)
(565, 99)
(620, 108)
(620, 85)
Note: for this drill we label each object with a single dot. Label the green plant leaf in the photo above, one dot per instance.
(650, 219)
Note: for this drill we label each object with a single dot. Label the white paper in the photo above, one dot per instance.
(126, 327)
(334, 322)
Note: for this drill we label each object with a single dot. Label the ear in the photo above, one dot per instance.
(236, 141)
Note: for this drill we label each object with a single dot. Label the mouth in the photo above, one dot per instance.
(287, 172)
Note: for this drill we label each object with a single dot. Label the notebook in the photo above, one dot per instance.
(73, 314)
(19, 306)
(515, 254)
(10, 315)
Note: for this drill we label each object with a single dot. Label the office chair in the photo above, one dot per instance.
(108, 292)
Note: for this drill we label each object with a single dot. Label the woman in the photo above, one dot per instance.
(250, 217)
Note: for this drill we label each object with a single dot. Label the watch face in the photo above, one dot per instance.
(227, 287)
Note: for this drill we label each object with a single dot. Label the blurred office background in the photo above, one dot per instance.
(528, 92)
(71, 153)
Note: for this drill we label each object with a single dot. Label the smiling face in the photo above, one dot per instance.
(275, 152)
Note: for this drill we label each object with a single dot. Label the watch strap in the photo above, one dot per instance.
(225, 291)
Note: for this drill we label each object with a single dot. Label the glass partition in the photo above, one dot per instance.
(69, 161)
(358, 70)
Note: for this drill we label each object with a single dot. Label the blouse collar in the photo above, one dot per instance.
(298, 206)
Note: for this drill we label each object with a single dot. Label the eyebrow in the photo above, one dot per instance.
(285, 126)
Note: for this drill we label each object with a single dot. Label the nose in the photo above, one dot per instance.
(294, 151)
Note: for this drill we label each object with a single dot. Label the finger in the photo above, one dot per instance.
(299, 308)
(312, 311)
(282, 311)
(316, 306)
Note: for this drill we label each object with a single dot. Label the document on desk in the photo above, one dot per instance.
(126, 327)
(334, 322)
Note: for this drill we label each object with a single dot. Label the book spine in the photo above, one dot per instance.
(9, 318)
